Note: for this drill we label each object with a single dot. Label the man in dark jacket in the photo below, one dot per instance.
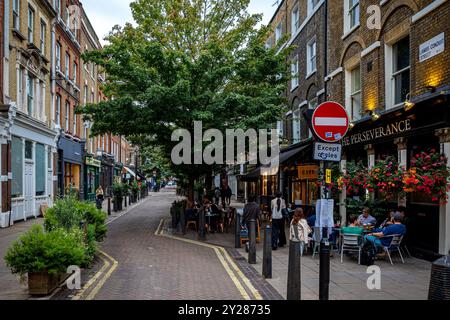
(251, 211)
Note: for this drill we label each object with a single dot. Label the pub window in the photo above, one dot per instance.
(16, 167)
(40, 169)
(401, 70)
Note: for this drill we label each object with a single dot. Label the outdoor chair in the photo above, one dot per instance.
(192, 223)
(394, 245)
(351, 243)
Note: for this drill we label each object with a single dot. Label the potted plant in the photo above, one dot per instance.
(45, 257)
(134, 191)
(118, 195)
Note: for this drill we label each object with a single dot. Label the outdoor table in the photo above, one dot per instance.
(209, 217)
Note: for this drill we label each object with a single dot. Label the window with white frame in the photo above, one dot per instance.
(398, 63)
(353, 93)
(41, 112)
(278, 32)
(20, 78)
(296, 130)
(67, 115)
(16, 15)
(41, 173)
(295, 20)
(58, 56)
(85, 99)
(58, 110)
(312, 104)
(75, 124)
(280, 130)
(401, 70)
(30, 25)
(67, 17)
(351, 14)
(268, 44)
(30, 94)
(312, 4)
(75, 70)
(67, 70)
(57, 4)
(294, 73)
(43, 36)
(311, 52)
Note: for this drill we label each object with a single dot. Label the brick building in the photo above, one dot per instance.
(393, 77)
(28, 140)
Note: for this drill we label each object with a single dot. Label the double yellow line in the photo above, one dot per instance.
(233, 271)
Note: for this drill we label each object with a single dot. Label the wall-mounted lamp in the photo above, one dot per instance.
(374, 115)
(351, 125)
(408, 104)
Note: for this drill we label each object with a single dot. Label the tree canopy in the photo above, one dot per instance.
(186, 61)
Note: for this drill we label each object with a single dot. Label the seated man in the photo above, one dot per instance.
(382, 239)
(352, 227)
(365, 218)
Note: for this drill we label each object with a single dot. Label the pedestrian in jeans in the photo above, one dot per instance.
(251, 211)
(277, 206)
(299, 229)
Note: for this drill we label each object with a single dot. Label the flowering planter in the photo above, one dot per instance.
(42, 283)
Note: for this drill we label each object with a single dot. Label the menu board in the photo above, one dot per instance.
(324, 213)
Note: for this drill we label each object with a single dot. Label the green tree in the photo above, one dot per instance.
(186, 61)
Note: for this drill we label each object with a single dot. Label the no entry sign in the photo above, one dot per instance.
(330, 121)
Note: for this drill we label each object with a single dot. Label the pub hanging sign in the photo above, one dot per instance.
(370, 135)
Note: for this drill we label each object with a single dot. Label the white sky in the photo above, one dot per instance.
(104, 14)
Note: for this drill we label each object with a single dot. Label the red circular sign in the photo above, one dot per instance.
(330, 121)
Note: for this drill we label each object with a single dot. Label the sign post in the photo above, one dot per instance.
(330, 124)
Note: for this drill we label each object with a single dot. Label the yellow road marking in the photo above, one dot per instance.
(225, 257)
(92, 280)
(100, 284)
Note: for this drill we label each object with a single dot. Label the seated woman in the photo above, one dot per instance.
(352, 227)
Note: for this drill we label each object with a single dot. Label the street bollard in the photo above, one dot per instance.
(125, 198)
(129, 200)
(237, 235)
(201, 227)
(252, 242)
(109, 206)
(294, 269)
(324, 269)
(267, 253)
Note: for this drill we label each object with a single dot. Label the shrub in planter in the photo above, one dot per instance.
(135, 189)
(45, 256)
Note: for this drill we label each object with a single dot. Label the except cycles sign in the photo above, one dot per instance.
(330, 122)
(327, 151)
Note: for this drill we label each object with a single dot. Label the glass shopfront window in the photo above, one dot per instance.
(17, 167)
(40, 169)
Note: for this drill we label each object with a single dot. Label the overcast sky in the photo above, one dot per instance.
(104, 14)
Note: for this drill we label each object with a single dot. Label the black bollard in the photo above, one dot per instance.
(294, 269)
(125, 198)
(237, 229)
(109, 206)
(324, 270)
(267, 253)
(115, 204)
(252, 242)
(201, 227)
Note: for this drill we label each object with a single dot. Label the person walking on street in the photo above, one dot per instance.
(216, 196)
(277, 205)
(251, 211)
(299, 229)
(99, 197)
(228, 194)
(223, 195)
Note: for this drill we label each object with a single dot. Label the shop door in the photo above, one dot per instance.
(29, 194)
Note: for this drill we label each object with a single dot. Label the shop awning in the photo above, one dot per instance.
(289, 154)
(130, 171)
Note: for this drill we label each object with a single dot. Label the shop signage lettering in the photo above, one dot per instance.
(327, 151)
(432, 47)
(93, 162)
(376, 133)
(308, 172)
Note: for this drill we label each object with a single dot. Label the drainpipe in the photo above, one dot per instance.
(6, 35)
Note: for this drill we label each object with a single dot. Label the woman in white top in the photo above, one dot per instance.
(299, 229)
(277, 205)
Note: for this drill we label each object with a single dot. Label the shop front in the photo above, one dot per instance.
(92, 177)
(70, 166)
(107, 171)
(118, 172)
(403, 135)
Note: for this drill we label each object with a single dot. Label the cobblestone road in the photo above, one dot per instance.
(150, 266)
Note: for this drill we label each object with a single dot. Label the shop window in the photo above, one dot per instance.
(16, 167)
(49, 158)
(29, 150)
(40, 169)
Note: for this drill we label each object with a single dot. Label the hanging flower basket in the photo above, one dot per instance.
(386, 177)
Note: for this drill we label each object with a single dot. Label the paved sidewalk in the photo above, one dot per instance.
(11, 288)
(348, 280)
